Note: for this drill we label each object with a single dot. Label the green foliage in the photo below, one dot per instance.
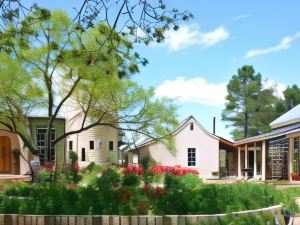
(291, 96)
(249, 108)
(38, 199)
(146, 162)
(114, 193)
(131, 179)
(291, 99)
(44, 176)
(182, 195)
(89, 175)
(47, 58)
(73, 157)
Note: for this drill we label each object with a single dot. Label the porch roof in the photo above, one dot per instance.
(273, 134)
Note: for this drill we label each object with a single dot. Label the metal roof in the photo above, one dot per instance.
(273, 134)
(290, 117)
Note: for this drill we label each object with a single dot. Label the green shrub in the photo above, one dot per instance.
(116, 193)
(182, 195)
(146, 162)
(38, 199)
(44, 176)
(89, 175)
(131, 180)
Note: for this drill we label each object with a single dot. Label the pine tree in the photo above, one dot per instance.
(249, 108)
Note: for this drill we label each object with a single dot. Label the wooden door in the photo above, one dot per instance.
(5, 155)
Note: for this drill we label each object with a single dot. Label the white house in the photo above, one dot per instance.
(195, 148)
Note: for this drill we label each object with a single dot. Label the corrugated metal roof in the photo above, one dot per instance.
(275, 133)
(290, 117)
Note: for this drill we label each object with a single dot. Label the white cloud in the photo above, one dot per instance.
(277, 87)
(240, 17)
(194, 90)
(190, 35)
(285, 43)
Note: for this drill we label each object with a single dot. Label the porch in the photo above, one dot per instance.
(270, 158)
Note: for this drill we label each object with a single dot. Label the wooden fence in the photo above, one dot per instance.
(120, 220)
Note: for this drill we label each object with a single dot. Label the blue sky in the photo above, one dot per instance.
(195, 64)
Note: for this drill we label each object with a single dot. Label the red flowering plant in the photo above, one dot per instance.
(133, 169)
(174, 170)
(295, 176)
(47, 165)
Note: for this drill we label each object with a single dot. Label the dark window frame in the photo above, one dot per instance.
(111, 145)
(191, 156)
(92, 145)
(41, 142)
(70, 145)
(191, 126)
(83, 155)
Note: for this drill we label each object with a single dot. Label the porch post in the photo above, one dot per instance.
(263, 163)
(290, 157)
(239, 163)
(246, 161)
(255, 167)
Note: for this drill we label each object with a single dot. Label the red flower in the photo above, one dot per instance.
(160, 191)
(47, 165)
(175, 170)
(147, 187)
(76, 168)
(133, 169)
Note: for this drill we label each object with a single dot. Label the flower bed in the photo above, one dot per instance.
(175, 170)
(125, 192)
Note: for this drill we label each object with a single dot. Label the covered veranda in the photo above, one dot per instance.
(271, 156)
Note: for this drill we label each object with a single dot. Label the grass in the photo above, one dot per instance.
(292, 192)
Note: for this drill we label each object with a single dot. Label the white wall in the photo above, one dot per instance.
(101, 135)
(207, 150)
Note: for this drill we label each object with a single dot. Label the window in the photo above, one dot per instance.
(135, 159)
(92, 145)
(191, 157)
(41, 142)
(83, 154)
(191, 126)
(111, 145)
(70, 145)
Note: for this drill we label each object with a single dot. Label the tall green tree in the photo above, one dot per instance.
(249, 108)
(291, 97)
(61, 67)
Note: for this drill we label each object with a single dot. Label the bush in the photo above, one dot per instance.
(116, 192)
(38, 199)
(90, 174)
(133, 169)
(44, 176)
(146, 162)
(182, 195)
(175, 170)
(131, 180)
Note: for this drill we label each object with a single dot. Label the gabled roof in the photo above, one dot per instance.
(290, 117)
(146, 141)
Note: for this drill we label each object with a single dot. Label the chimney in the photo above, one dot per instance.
(214, 125)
